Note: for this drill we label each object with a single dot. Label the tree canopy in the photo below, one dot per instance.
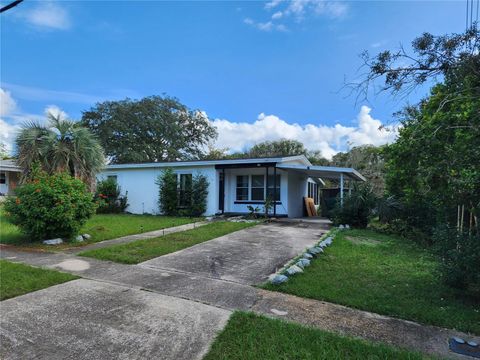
(151, 129)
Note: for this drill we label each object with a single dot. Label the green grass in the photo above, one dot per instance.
(250, 336)
(387, 275)
(142, 250)
(100, 227)
(18, 279)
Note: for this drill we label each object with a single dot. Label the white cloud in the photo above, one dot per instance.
(328, 139)
(298, 10)
(277, 15)
(12, 118)
(7, 104)
(47, 15)
(265, 26)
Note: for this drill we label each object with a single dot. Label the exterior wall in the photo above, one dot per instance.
(143, 190)
(11, 181)
(297, 189)
(231, 184)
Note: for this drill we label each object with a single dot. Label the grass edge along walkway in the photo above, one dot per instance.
(142, 250)
(386, 275)
(251, 336)
(19, 279)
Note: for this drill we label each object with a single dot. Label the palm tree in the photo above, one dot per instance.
(61, 145)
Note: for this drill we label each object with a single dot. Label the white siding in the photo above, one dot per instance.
(143, 190)
(297, 189)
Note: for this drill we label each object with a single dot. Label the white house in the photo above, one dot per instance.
(9, 177)
(233, 184)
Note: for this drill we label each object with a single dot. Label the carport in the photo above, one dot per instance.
(326, 172)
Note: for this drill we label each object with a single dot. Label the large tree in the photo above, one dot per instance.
(152, 129)
(282, 147)
(367, 159)
(60, 145)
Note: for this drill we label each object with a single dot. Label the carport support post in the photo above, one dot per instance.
(275, 190)
(341, 189)
(223, 191)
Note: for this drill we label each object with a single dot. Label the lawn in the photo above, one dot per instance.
(101, 227)
(250, 336)
(142, 250)
(18, 279)
(386, 275)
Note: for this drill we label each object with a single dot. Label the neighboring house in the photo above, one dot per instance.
(9, 177)
(233, 184)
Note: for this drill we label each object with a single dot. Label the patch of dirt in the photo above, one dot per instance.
(362, 240)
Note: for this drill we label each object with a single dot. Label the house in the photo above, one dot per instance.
(233, 184)
(9, 177)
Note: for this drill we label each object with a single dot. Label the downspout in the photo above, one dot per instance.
(223, 191)
(274, 190)
(341, 189)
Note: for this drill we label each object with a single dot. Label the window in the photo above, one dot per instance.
(3, 178)
(242, 187)
(112, 177)
(272, 184)
(258, 187)
(185, 190)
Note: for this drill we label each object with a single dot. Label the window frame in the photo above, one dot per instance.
(3, 178)
(257, 187)
(278, 185)
(242, 187)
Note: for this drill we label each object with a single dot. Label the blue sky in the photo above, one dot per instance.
(260, 70)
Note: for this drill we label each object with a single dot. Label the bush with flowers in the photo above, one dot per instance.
(108, 197)
(50, 206)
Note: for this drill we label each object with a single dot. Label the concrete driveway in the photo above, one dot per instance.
(85, 319)
(248, 256)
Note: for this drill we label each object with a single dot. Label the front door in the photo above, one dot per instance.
(221, 193)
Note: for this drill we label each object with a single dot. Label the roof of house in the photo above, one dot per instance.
(327, 172)
(9, 165)
(301, 158)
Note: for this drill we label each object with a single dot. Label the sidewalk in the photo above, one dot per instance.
(229, 295)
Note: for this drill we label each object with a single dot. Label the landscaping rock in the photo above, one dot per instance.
(299, 263)
(279, 279)
(86, 236)
(341, 227)
(347, 226)
(79, 238)
(305, 262)
(294, 269)
(307, 256)
(313, 250)
(53, 241)
(319, 249)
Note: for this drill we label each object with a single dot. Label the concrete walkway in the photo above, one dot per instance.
(114, 295)
(131, 238)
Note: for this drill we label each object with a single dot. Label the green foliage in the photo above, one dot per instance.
(50, 206)
(283, 147)
(198, 203)
(460, 253)
(368, 160)
(61, 146)
(151, 129)
(189, 201)
(268, 205)
(168, 195)
(253, 211)
(108, 197)
(3, 151)
(357, 207)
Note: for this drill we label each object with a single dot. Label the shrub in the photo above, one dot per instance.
(357, 207)
(108, 197)
(50, 206)
(198, 203)
(460, 254)
(190, 201)
(168, 195)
